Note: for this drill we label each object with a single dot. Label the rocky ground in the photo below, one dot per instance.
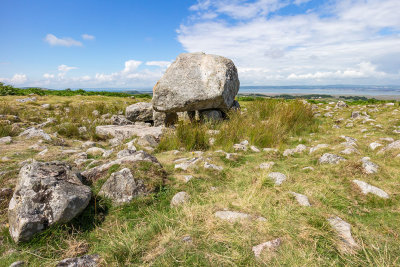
(329, 197)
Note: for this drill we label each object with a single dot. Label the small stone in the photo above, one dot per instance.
(301, 199)
(329, 158)
(266, 165)
(239, 147)
(5, 140)
(17, 264)
(277, 177)
(187, 239)
(367, 188)
(212, 166)
(95, 151)
(95, 113)
(349, 151)
(341, 104)
(288, 152)
(84, 261)
(369, 167)
(343, 229)
(82, 130)
(254, 149)
(374, 145)
(180, 198)
(318, 147)
(309, 168)
(269, 245)
(125, 153)
(231, 216)
(46, 106)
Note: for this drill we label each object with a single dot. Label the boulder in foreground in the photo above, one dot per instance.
(197, 81)
(46, 193)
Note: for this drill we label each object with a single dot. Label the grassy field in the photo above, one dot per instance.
(149, 232)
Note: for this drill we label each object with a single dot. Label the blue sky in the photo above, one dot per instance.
(129, 44)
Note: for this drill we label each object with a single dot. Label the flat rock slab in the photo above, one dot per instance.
(232, 216)
(127, 131)
(329, 158)
(367, 188)
(47, 193)
(84, 261)
(269, 245)
(368, 166)
(343, 229)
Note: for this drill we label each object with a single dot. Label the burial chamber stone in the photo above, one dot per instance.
(197, 81)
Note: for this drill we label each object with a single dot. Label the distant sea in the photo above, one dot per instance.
(359, 90)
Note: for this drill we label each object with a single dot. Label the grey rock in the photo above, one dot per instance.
(212, 166)
(211, 115)
(318, 147)
(120, 120)
(95, 113)
(95, 151)
(28, 99)
(187, 163)
(84, 261)
(82, 130)
(187, 239)
(343, 229)
(231, 216)
(392, 146)
(47, 193)
(277, 177)
(46, 106)
(34, 132)
(301, 199)
(367, 188)
(125, 153)
(88, 144)
(122, 187)
(341, 104)
(240, 147)
(355, 114)
(329, 158)
(235, 105)
(141, 111)
(164, 119)
(368, 166)
(179, 199)
(374, 145)
(147, 141)
(269, 245)
(350, 150)
(5, 140)
(196, 81)
(17, 264)
(123, 132)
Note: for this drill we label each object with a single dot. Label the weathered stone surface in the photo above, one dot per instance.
(141, 111)
(34, 132)
(120, 120)
(164, 119)
(318, 147)
(98, 171)
(277, 177)
(255, 149)
(17, 264)
(187, 163)
(341, 104)
(231, 216)
(343, 229)
(147, 141)
(329, 158)
(84, 261)
(128, 131)
(5, 140)
(350, 150)
(367, 188)
(374, 145)
(301, 199)
(122, 187)
(212, 166)
(368, 166)
(392, 146)
(196, 81)
(211, 115)
(269, 245)
(46, 193)
(125, 153)
(95, 151)
(179, 199)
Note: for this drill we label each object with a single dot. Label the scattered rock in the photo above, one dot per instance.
(392, 146)
(329, 158)
(318, 147)
(179, 199)
(212, 166)
(17, 264)
(141, 111)
(349, 151)
(122, 187)
(28, 99)
(95, 113)
(367, 188)
(84, 261)
(211, 115)
(277, 177)
(5, 140)
(120, 120)
(187, 164)
(196, 81)
(343, 229)
(341, 104)
(95, 151)
(301, 199)
(254, 149)
(34, 132)
(187, 239)
(46, 106)
(269, 245)
(368, 166)
(147, 141)
(47, 193)
(125, 153)
(231, 216)
(374, 145)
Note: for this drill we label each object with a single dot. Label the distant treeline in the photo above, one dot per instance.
(11, 90)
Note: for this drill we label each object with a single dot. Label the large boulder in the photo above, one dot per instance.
(141, 111)
(127, 131)
(196, 81)
(47, 193)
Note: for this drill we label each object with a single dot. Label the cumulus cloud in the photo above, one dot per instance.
(48, 76)
(86, 36)
(131, 65)
(337, 41)
(17, 79)
(65, 68)
(66, 41)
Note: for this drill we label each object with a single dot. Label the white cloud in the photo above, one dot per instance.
(86, 36)
(299, 2)
(338, 42)
(17, 79)
(48, 76)
(65, 68)
(131, 65)
(161, 64)
(66, 41)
